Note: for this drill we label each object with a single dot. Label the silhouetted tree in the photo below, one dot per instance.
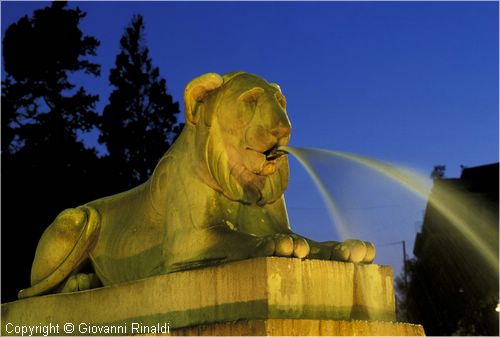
(431, 299)
(45, 167)
(438, 172)
(39, 53)
(140, 121)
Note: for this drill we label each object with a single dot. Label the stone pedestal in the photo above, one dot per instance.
(302, 327)
(264, 296)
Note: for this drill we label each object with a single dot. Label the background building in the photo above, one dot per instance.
(453, 285)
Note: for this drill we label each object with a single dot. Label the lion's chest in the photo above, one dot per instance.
(249, 219)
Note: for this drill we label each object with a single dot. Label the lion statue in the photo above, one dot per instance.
(215, 196)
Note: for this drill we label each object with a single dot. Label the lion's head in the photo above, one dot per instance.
(239, 120)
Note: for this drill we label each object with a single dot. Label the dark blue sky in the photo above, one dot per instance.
(413, 83)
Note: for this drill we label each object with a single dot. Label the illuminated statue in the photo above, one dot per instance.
(215, 196)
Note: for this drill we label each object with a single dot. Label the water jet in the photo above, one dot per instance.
(446, 201)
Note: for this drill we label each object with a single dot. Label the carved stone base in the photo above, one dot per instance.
(259, 295)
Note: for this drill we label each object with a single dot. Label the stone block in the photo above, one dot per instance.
(302, 327)
(258, 290)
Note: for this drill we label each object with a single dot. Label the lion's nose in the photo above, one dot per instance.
(282, 134)
(281, 131)
(261, 139)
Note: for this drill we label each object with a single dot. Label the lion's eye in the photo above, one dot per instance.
(246, 107)
(281, 99)
(252, 95)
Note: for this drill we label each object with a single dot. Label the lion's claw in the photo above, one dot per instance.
(300, 248)
(283, 245)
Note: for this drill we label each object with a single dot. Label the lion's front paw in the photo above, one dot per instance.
(79, 281)
(354, 251)
(283, 245)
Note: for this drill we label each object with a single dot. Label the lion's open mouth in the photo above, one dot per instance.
(274, 153)
(263, 163)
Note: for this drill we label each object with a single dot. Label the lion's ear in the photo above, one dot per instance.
(196, 91)
(275, 85)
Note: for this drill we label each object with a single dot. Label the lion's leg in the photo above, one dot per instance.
(62, 248)
(221, 244)
(285, 244)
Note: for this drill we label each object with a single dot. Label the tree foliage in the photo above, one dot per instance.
(37, 91)
(140, 121)
(45, 167)
(438, 172)
(432, 300)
